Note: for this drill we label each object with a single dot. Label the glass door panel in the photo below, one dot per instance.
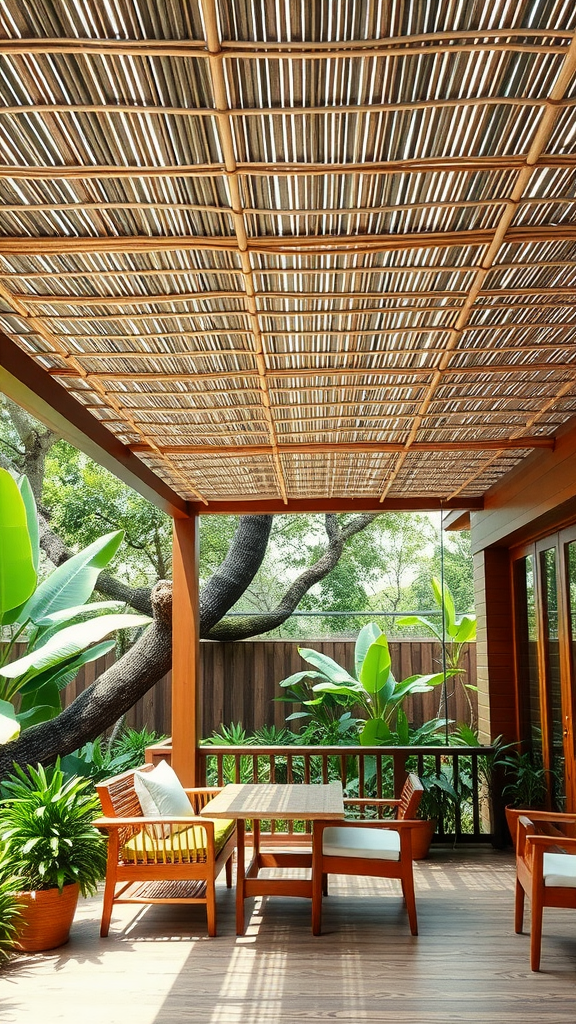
(553, 679)
(527, 650)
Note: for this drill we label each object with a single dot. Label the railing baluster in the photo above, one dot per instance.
(475, 795)
(456, 784)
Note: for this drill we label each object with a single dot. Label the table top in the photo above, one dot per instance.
(290, 802)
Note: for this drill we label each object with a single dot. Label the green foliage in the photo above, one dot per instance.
(17, 558)
(528, 779)
(46, 830)
(374, 690)
(452, 632)
(9, 909)
(458, 573)
(440, 799)
(62, 631)
(100, 759)
(133, 742)
(85, 500)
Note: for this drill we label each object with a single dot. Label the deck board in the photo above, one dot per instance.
(158, 966)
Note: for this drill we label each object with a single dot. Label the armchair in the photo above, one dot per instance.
(545, 871)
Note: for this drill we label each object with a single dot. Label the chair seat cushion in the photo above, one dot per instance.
(186, 845)
(369, 843)
(560, 870)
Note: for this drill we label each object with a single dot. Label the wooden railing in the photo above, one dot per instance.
(364, 772)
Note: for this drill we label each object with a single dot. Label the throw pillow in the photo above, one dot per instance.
(161, 794)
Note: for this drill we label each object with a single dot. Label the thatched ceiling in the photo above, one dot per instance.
(303, 248)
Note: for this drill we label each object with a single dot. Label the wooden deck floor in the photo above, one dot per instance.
(158, 967)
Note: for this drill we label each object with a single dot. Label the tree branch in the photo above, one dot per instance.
(242, 628)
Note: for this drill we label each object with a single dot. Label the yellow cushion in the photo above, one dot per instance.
(187, 845)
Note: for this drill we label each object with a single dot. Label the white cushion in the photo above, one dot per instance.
(161, 793)
(371, 843)
(560, 869)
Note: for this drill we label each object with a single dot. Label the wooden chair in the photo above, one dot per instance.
(381, 848)
(546, 872)
(406, 806)
(161, 860)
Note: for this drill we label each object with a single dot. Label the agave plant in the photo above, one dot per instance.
(62, 631)
(373, 690)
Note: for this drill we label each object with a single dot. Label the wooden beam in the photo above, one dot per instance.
(245, 451)
(300, 506)
(514, 40)
(47, 245)
(22, 380)
(186, 711)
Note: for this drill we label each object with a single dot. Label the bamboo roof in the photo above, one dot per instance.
(288, 249)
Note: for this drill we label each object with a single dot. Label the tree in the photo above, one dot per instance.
(244, 567)
(25, 445)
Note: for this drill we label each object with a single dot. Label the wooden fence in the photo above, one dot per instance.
(239, 682)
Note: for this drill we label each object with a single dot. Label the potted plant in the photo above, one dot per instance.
(438, 801)
(50, 844)
(526, 787)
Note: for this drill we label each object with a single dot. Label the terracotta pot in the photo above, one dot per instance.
(47, 917)
(422, 834)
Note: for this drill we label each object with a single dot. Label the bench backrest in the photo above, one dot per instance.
(118, 796)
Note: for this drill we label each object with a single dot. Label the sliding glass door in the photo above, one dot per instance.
(545, 647)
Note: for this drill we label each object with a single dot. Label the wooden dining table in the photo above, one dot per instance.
(286, 802)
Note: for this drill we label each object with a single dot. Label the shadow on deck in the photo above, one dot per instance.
(158, 966)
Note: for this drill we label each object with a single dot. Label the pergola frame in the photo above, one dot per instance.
(292, 258)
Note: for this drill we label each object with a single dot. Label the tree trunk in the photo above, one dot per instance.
(109, 697)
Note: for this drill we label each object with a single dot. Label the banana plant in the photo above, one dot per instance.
(373, 690)
(61, 630)
(452, 634)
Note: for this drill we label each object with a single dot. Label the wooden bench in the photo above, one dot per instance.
(161, 860)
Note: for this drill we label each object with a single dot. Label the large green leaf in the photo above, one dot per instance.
(81, 611)
(375, 733)
(72, 582)
(420, 620)
(348, 689)
(420, 684)
(70, 641)
(31, 518)
(367, 635)
(65, 672)
(298, 677)
(402, 728)
(444, 598)
(17, 572)
(330, 668)
(40, 706)
(466, 629)
(9, 725)
(375, 670)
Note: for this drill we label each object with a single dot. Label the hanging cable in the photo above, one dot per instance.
(443, 609)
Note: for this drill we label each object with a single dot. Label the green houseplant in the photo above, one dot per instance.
(51, 846)
(526, 787)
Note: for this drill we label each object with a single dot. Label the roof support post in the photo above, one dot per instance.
(185, 650)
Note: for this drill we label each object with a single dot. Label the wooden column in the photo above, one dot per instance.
(185, 650)
(497, 712)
